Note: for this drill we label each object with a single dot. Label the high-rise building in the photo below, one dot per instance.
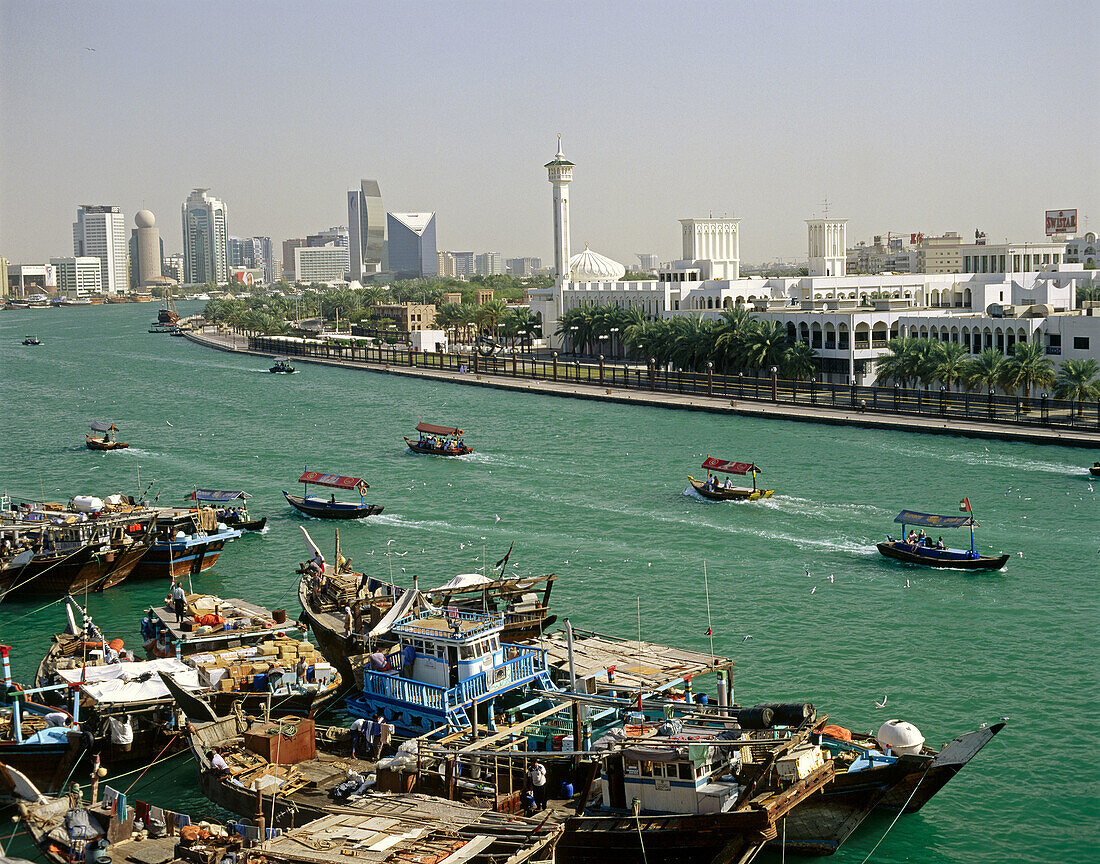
(647, 261)
(319, 263)
(236, 252)
(5, 291)
(465, 264)
(489, 264)
(263, 257)
(78, 276)
(523, 266)
(288, 256)
(146, 250)
(411, 244)
(366, 230)
(446, 264)
(827, 246)
(205, 239)
(173, 266)
(100, 232)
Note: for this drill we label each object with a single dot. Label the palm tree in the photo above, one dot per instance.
(1077, 381)
(1028, 367)
(526, 324)
(899, 365)
(729, 345)
(449, 318)
(765, 342)
(948, 362)
(489, 315)
(799, 361)
(984, 371)
(692, 341)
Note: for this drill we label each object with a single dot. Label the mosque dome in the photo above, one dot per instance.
(589, 266)
(145, 219)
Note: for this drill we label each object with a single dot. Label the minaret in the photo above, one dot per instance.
(560, 174)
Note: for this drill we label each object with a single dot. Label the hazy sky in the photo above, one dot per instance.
(906, 116)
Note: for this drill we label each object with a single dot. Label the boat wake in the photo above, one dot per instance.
(397, 521)
(828, 510)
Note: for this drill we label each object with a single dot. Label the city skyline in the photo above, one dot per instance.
(763, 115)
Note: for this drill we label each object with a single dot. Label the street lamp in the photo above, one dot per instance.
(614, 338)
(573, 338)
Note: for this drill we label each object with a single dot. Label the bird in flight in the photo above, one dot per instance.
(881, 704)
(746, 639)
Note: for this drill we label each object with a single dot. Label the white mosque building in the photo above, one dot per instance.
(847, 319)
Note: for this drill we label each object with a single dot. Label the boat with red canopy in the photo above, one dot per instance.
(315, 505)
(438, 441)
(715, 490)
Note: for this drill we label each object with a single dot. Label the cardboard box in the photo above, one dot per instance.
(800, 763)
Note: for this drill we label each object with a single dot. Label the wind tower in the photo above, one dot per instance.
(827, 245)
(560, 174)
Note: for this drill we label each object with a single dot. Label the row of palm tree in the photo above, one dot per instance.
(925, 362)
(735, 341)
(495, 319)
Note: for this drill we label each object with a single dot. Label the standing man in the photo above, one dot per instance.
(358, 729)
(537, 775)
(178, 601)
(376, 737)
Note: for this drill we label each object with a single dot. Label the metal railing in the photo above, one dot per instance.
(1035, 409)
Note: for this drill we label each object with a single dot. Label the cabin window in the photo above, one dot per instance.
(467, 651)
(701, 771)
(686, 771)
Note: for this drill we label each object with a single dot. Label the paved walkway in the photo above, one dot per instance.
(746, 408)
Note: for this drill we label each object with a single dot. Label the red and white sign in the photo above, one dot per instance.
(1061, 222)
(916, 239)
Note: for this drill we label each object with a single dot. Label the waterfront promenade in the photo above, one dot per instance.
(579, 389)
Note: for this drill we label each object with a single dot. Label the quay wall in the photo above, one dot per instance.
(614, 389)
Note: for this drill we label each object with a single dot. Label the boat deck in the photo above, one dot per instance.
(234, 607)
(642, 666)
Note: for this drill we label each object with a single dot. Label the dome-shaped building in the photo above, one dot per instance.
(145, 219)
(589, 266)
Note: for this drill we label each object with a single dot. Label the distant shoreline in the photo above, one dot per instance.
(714, 405)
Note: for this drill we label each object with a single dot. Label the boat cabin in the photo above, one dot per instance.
(672, 779)
(445, 663)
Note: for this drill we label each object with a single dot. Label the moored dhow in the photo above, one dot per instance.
(185, 542)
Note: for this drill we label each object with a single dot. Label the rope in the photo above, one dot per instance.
(171, 741)
(900, 812)
(39, 609)
(47, 570)
(638, 824)
(147, 767)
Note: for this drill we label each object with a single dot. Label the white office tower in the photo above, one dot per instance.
(205, 239)
(714, 246)
(560, 174)
(366, 230)
(100, 232)
(827, 246)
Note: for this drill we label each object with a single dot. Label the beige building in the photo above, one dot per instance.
(940, 254)
(483, 296)
(4, 291)
(446, 264)
(454, 297)
(407, 316)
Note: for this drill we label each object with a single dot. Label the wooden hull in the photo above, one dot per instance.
(76, 572)
(247, 525)
(737, 493)
(333, 646)
(97, 444)
(1095, 470)
(430, 451)
(927, 559)
(332, 511)
(160, 563)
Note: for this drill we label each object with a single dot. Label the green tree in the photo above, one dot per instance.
(1028, 367)
(765, 343)
(800, 361)
(985, 371)
(948, 363)
(1077, 381)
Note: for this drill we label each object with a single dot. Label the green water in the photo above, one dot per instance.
(595, 493)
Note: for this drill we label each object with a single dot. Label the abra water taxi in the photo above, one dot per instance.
(225, 506)
(32, 340)
(281, 366)
(1095, 469)
(715, 490)
(438, 441)
(316, 506)
(922, 549)
(109, 441)
(447, 667)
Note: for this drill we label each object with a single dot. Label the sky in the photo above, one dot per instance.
(905, 117)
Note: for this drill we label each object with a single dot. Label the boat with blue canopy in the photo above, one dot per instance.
(319, 507)
(920, 548)
(227, 508)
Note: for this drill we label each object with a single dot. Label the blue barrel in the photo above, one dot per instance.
(702, 699)
(566, 789)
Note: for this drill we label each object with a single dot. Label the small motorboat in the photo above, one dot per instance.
(321, 508)
(32, 340)
(1095, 469)
(922, 550)
(282, 366)
(438, 441)
(713, 489)
(109, 441)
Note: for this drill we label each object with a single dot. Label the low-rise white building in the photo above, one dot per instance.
(79, 276)
(1082, 250)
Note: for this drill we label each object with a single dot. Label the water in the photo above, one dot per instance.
(596, 493)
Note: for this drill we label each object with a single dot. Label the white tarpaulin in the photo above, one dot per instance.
(132, 682)
(463, 580)
(408, 603)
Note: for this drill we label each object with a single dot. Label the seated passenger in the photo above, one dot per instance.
(940, 544)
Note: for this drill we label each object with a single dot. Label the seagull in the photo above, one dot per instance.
(812, 590)
(388, 542)
(648, 563)
(461, 546)
(881, 704)
(169, 424)
(495, 518)
(906, 583)
(746, 638)
(1021, 554)
(86, 48)
(807, 573)
(832, 578)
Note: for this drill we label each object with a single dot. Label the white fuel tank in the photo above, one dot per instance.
(900, 736)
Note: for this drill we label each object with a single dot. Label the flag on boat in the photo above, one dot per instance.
(709, 632)
(964, 506)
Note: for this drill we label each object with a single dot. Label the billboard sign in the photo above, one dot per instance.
(1061, 222)
(51, 276)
